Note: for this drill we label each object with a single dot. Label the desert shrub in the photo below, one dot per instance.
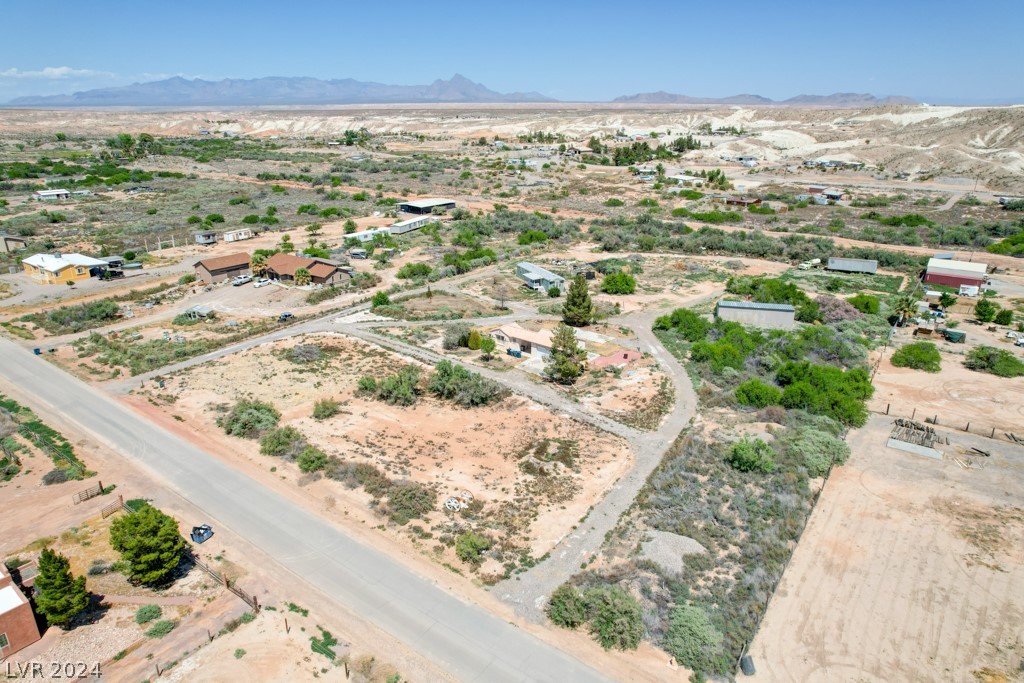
(400, 389)
(409, 500)
(833, 309)
(160, 629)
(148, 613)
(366, 385)
(752, 455)
(55, 476)
(187, 279)
(691, 638)
(305, 353)
(362, 474)
(614, 201)
(470, 547)
(413, 271)
(690, 325)
(249, 419)
(817, 450)
(756, 393)
(312, 459)
(283, 441)
(618, 283)
(532, 236)
(474, 341)
(826, 390)
(456, 336)
(994, 361)
(919, 356)
(467, 389)
(865, 303)
(615, 618)
(567, 607)
(380, 299)
(325, 408)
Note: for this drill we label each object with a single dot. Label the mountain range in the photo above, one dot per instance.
(839, 99)
(183, 92)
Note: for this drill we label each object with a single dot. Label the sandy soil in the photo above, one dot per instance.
(910, 569)
(451, 449)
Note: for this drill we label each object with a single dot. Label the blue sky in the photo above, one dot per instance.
(933, 50)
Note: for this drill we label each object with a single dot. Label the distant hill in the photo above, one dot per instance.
(662, 97)
(837, 100)
(182, 92)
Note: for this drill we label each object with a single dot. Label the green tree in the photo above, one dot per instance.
(380, 299)
(474, 341)
(904, 308)
(314, 229)
(487, 345)
(258, 264)
(618, 283)
(149, 542)
(470, 547)
(578, 309)
(692, 639)
(286, 244)
(565, 364)
(350, 226)
(302, 276)
(756, 393)
(567, 607)
(947, 300)
(919, 356)
(60, 595)
(751, 456)
(1004, 317)
(985, 310)
(615, 618)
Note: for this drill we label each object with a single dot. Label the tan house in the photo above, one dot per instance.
(517, 338)
(321, 271)
(17, 621)
(54, 269)
(221, 268)
(10, 244)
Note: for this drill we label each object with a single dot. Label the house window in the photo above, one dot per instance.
(79, 270)
(3, 641)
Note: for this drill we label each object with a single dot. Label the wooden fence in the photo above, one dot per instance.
(116, 506)
(86, 494)
(44, 444)
(960, 424)
(248, 599)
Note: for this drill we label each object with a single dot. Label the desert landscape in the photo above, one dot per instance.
(658, 389)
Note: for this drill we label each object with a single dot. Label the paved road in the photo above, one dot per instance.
(461, 638)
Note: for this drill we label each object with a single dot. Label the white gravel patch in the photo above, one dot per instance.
(667, 550)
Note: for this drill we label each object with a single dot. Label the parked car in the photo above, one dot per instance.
(201, 533)
(241, 280)
(262, 282)
(284, 317)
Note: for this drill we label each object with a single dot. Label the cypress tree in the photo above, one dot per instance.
(61, 596)
(578, 309)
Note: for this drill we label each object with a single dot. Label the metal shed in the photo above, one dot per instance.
(852, 265)
(773, 316)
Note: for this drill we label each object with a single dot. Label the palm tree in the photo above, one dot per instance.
(302, 276)
(905, 307)
(258, 264)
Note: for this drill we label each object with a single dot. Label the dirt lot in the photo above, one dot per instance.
(956, 396)
(480, 450)
(910, 569)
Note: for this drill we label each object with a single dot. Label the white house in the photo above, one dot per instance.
(50, 195)
(368, 235)
(238, 235)
(537, 278)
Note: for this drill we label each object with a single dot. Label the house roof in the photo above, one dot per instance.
(10, 598)
(226, 262)
(199, 310)
(428, 203)
(51, 193)
(950, 267)
(287, 264)
(618, 359)
(55, 264)
(513, 331)
(536, 272)
(320, 269)
(14, 238)
(756, 306)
